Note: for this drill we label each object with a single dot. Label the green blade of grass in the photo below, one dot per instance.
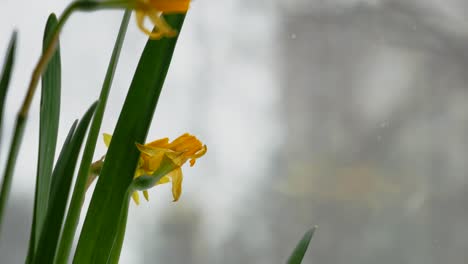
(49, 115)
(59, 191)
(4, 83)
(19, 129)
(301, 248)
(60, 164)
(76, 203)
(6, 75)
(100, 228)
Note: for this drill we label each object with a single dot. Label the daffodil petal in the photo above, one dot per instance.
(170, 6)
(177, 178)
(151, 151)
(163, 180)
(201, 152)
(162, 26)
(140, 19)
(160, 143)
(136, 198)
(107, 139)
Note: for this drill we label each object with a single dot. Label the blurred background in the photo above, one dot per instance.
(347, 114)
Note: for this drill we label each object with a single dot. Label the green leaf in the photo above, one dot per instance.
(64, 154)
(79, 191)
(100, 228)
(118, 243)
(18, 130)
(6, 75)
(301, 248)
(4, 84)
(59, 191)
(49, 115)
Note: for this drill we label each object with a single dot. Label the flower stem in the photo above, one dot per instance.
(82, 5)
(79, 191)
(44, 59)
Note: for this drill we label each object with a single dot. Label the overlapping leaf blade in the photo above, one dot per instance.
(6, 75)
(4, 84)
(102, 223)
(49, 115)
(76, 203)
(59, 191)
(19, 130)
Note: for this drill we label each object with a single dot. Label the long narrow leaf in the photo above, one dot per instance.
(49, 115)
(76, 203)
(301, 248)
(6, 75)
(4, 83)
(118, 243)
(59, 192)
(64, 153)
(101, 228)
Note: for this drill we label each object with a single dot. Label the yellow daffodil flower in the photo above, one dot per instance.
(154, 10)
(160, 156)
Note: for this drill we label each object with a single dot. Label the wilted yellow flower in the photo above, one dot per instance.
(154, 10)
(160, 155)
